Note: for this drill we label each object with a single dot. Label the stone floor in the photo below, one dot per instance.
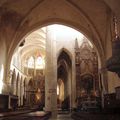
(37, 115)
(95, 116)
(87, 116)
(66, 116)
(63, 117)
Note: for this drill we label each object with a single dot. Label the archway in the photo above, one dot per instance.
(64, 79)
(82, 30)
(65, 62)
(96, 41)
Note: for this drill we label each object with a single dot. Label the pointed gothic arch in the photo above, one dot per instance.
(65, 55)
(64, 65)
(66, 51)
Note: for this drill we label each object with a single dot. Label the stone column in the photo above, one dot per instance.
(70, 86)
(22, 91)
(51, 74)
(73, 82)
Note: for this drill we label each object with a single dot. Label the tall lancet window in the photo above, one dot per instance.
(39, 62)
(31, 62)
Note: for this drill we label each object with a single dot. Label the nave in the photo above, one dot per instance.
(60, 55)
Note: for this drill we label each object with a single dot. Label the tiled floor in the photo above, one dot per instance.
(63, 117)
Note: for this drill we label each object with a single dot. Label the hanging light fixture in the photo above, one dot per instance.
(113, 63)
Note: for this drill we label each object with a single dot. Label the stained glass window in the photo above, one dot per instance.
(31, 62)
(39, 62)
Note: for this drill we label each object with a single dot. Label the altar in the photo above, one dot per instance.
(87, 78)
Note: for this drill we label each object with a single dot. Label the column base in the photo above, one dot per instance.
(47, 109)
(53, 112)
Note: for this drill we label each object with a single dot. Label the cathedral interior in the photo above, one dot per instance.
(60, 56)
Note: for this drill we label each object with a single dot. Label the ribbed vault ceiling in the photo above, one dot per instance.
(34, 43)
